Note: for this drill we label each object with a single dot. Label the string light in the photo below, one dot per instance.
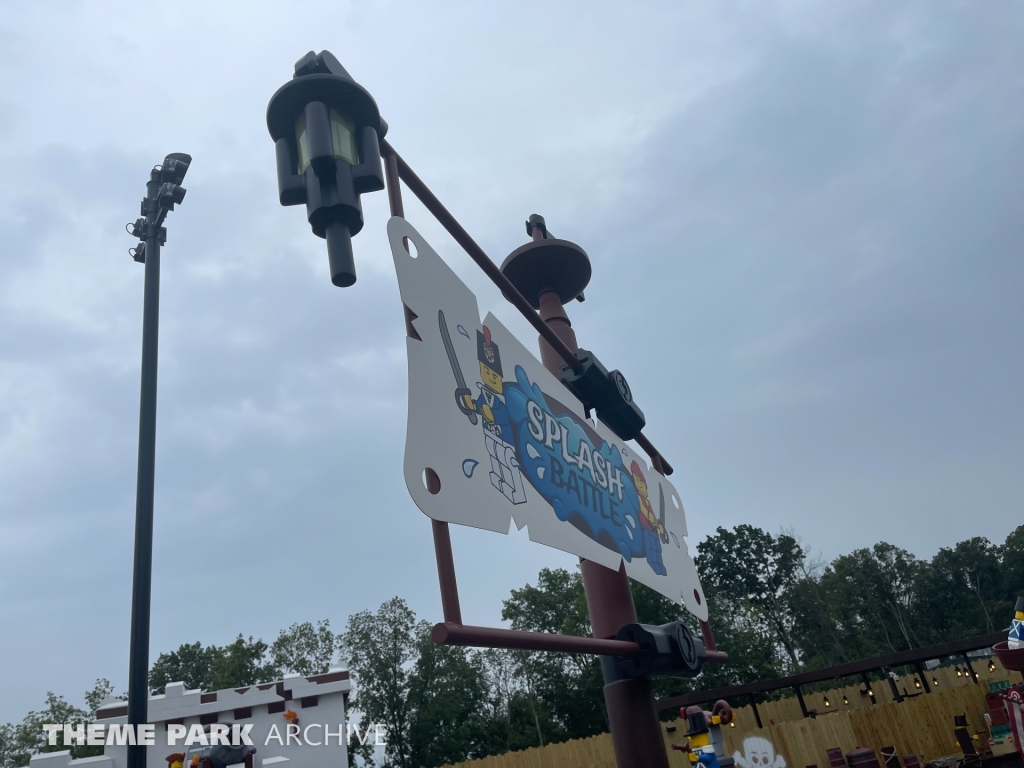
(935, 681)
(959, 672)
(845, 699)
(827, 702)
(917, 683)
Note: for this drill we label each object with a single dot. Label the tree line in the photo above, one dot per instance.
(773, 607)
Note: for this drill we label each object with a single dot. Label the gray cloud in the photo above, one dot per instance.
(805, 227)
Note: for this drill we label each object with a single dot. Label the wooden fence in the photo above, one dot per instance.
(921, 725)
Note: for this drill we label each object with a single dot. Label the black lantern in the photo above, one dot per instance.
(327, 131)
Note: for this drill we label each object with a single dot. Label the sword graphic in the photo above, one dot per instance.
(663, 534)
(461, 388)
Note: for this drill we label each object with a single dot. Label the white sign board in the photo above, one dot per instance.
(494, 437)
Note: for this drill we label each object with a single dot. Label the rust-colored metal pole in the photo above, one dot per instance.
(708, 637)
(636, 730)
(442, 536)
(495, 637)
(446, 572)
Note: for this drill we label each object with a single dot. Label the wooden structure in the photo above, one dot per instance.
(921, 725)
(915, 657)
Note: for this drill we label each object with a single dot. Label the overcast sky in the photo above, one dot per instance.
(805, 222)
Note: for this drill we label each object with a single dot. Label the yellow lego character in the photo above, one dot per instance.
(704, 736)
(499, 438)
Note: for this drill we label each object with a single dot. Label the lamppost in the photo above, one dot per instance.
(327, 129)
(163, 192)
(550, 273)
(543, 274)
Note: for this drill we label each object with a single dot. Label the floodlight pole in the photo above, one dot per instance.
(142, 574)
(163, 192)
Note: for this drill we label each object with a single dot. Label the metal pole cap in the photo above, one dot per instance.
(547, 265)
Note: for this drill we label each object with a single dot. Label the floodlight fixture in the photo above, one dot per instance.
(163, 192)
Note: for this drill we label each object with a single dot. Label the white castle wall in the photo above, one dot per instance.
(319, 699)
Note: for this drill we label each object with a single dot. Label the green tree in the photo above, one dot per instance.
(863, 604)
(1013, 569)
(100, 693)
(243, 662)
(380, 649)
(756, 572)
(448, 695)
(305, 649)
(515, 717)
(191, 664)
(961, 590)
(11, 753)
(212, 668)
(570, 686)
(19, 742)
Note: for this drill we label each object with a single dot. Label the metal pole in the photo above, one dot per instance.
(800, 698)
(142, 575)
(868, 687)
(753, 706)
(636, 730)
(896, 695)
(921, 676)
(967, 663)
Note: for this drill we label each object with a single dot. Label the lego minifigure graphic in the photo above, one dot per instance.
(490, 405)
(704, 743)
(653, 528)
(1016, 637)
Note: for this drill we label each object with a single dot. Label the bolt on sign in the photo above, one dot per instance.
(493, 437)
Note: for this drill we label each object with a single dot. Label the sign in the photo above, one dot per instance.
(493, 438)
(1016, 718)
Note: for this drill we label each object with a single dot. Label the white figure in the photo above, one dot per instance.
(490, 404)
(759, 753)
(505, 474)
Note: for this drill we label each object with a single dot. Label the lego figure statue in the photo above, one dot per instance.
(653, 528)
(704, 736)
(490, 404)
(1016, 637)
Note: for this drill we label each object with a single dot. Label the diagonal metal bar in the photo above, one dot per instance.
(478, 255)
(510, 292)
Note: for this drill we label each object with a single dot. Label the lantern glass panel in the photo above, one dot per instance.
(343, 136)
(302, 141)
